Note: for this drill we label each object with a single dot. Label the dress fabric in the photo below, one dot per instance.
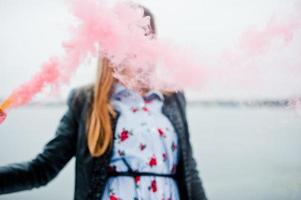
(144, 141)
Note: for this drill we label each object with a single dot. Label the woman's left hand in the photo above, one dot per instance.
(2, 115)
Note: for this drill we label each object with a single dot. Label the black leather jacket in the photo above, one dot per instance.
(70, 140)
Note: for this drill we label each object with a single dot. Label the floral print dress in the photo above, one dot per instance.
(144, 141)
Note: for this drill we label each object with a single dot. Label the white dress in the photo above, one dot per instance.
(144, 141)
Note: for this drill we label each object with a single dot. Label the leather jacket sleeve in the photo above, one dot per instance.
(48, 163)
(197, 188)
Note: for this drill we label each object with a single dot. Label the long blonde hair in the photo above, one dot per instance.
(99, 127)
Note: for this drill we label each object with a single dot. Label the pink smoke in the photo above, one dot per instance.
(254, 41)
(121, 33)
(242, 64)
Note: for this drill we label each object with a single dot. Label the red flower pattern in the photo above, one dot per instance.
(121, 152)
(152, 161)
(113, 197)
(137, 180)
(161, 132)
(143, 145)
(134, 109)
(164, 155)
(145, 109)
(153, 186)
(124, 135)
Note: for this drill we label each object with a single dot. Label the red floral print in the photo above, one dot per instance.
(121, 152)
(142, 146)
(147, 142)
(164, 155)
(137, 180)
(153, 161)
(134, 109)
(153, 186)
(124, 135)
(161, 132)
(113, 197)
(145, 108)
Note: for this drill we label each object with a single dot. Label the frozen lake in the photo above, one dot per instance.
(243, 153)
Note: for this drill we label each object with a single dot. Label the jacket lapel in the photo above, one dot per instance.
(171, 111)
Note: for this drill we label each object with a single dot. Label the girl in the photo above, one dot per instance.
(127, 144)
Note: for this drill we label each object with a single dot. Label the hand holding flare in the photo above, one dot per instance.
(2, 116)
(4, 106)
